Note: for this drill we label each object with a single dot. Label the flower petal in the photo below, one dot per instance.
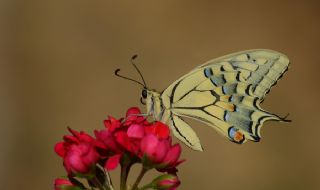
(154, 148)
(172, 155)
(162, 130)
(133, 111)
(123, 139)
(107, 138)
(135, 131)
(59, 149)
(112, 124)
(113, 162)
(62, 181)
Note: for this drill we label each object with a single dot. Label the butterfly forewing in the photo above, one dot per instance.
(261, 68)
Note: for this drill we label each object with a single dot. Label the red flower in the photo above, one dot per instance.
(119, 137)
(157, 147)
(64, 184)
(78, 152)
(122, 142)
(137, 137)
(107, 141)
(130, 145)
(154, 148)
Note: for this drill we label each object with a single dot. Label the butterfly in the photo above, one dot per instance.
(225, 93)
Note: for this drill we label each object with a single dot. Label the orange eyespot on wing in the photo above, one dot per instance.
(238, 137)
(235, 135)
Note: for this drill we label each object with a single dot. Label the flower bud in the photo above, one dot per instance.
(166, 182)
(64, 184)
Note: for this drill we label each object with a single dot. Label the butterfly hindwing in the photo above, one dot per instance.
(225, 93)
(184, 132)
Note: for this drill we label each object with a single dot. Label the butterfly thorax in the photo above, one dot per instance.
(154, 105)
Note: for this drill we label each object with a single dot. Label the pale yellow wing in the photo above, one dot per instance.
(184, 132)
(225, 93)
(261, 68)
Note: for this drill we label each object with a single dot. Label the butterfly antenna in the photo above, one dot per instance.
(116, 72)
(135, 66)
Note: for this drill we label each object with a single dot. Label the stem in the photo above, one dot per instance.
(142, 172)
(97, 183)
(124, 175)
(108, 181)
(149, 186)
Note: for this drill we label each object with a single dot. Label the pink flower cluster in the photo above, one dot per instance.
(122, 142)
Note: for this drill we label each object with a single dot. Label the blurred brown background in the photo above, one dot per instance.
(57, 60)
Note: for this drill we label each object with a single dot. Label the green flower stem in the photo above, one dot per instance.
(148, 186)
(124, 175)
(97, 183)
(142, 172)
(108, 181)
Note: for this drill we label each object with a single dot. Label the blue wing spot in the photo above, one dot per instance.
(232, 131)
(224, 89)
(208, 72)
(213, 82)
(226, 116)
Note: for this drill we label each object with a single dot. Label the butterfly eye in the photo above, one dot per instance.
(144, 93)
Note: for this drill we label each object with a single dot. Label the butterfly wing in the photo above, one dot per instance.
(261, 68)
(225, 93)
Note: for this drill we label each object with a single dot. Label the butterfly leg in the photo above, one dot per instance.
(141, 114)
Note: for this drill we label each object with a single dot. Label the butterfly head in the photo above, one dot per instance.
(148, 96)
